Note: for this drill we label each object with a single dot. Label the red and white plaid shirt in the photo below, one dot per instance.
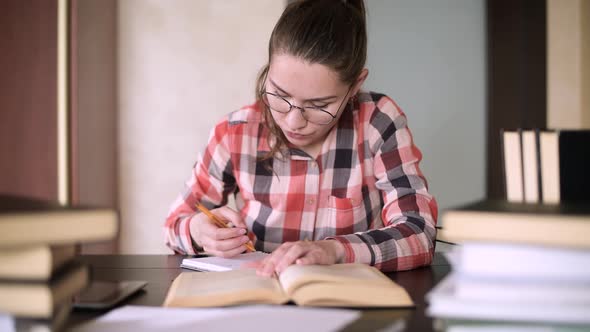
(365, 188)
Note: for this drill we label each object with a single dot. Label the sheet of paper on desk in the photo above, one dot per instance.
(221, 264)
(6, 322)
(258, 318)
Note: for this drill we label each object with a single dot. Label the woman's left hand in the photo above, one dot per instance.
(322, 252)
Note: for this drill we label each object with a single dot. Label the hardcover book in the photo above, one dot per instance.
(25, 222)
(565, 224)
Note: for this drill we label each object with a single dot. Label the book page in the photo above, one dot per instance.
(342, 285)
(298, 275)
(196, 289)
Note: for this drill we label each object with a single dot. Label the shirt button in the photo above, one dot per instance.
(310, 201)
(314, 164)
(352, 201)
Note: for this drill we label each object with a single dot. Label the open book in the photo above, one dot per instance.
(339, 285)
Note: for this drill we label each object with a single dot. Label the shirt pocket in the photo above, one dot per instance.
(344, 213)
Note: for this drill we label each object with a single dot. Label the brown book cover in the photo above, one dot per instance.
(55, 323)
(25, 222)
(36, 262)
(41, 299)
(565, 224)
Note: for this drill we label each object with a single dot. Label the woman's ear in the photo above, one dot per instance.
(359, 81)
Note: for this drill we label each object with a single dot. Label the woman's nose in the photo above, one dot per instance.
(295, 119)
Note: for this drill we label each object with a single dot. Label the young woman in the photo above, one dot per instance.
(323, 171)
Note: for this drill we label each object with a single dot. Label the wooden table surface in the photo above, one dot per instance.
(160, 270)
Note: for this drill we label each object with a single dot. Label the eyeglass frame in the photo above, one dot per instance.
(302, 109)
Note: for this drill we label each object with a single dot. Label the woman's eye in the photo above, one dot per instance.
(319, 106)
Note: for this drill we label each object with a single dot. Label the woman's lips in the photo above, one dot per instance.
(295, 135)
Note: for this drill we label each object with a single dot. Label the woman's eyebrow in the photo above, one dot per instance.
(312, 99)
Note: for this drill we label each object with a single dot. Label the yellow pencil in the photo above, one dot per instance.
(220, 222)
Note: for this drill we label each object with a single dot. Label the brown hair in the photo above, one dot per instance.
(328, 32)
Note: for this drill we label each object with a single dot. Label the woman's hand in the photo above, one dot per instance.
(222, 242)
(322, 252)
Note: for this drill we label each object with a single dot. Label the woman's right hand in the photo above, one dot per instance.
(220, 241)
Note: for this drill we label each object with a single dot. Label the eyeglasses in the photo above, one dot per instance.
(313, 114)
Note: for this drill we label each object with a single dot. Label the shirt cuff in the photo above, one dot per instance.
(355, 250)
(186, 241)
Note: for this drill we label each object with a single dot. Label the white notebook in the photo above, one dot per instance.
(221, 264)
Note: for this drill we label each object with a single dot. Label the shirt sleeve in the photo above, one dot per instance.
(210, 183)
(409, 213)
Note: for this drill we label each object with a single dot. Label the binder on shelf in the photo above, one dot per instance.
(530, 166)
(512, 157)
(565, 156)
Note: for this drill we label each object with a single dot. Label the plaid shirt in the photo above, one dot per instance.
(365, 188)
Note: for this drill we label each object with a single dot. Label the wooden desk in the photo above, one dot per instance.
(160, 270)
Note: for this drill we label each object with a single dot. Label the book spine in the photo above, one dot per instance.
(538, 162)
(503, 161)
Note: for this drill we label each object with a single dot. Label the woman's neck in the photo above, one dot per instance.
(313, 150)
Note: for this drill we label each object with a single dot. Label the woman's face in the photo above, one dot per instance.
(308, 85)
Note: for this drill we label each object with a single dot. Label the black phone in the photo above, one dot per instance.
(100, 294)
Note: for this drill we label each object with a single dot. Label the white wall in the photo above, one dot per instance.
(429, 56)
(183, 64)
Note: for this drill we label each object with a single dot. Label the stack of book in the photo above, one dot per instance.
(519, 266)
(546, 166)
(39, 274)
